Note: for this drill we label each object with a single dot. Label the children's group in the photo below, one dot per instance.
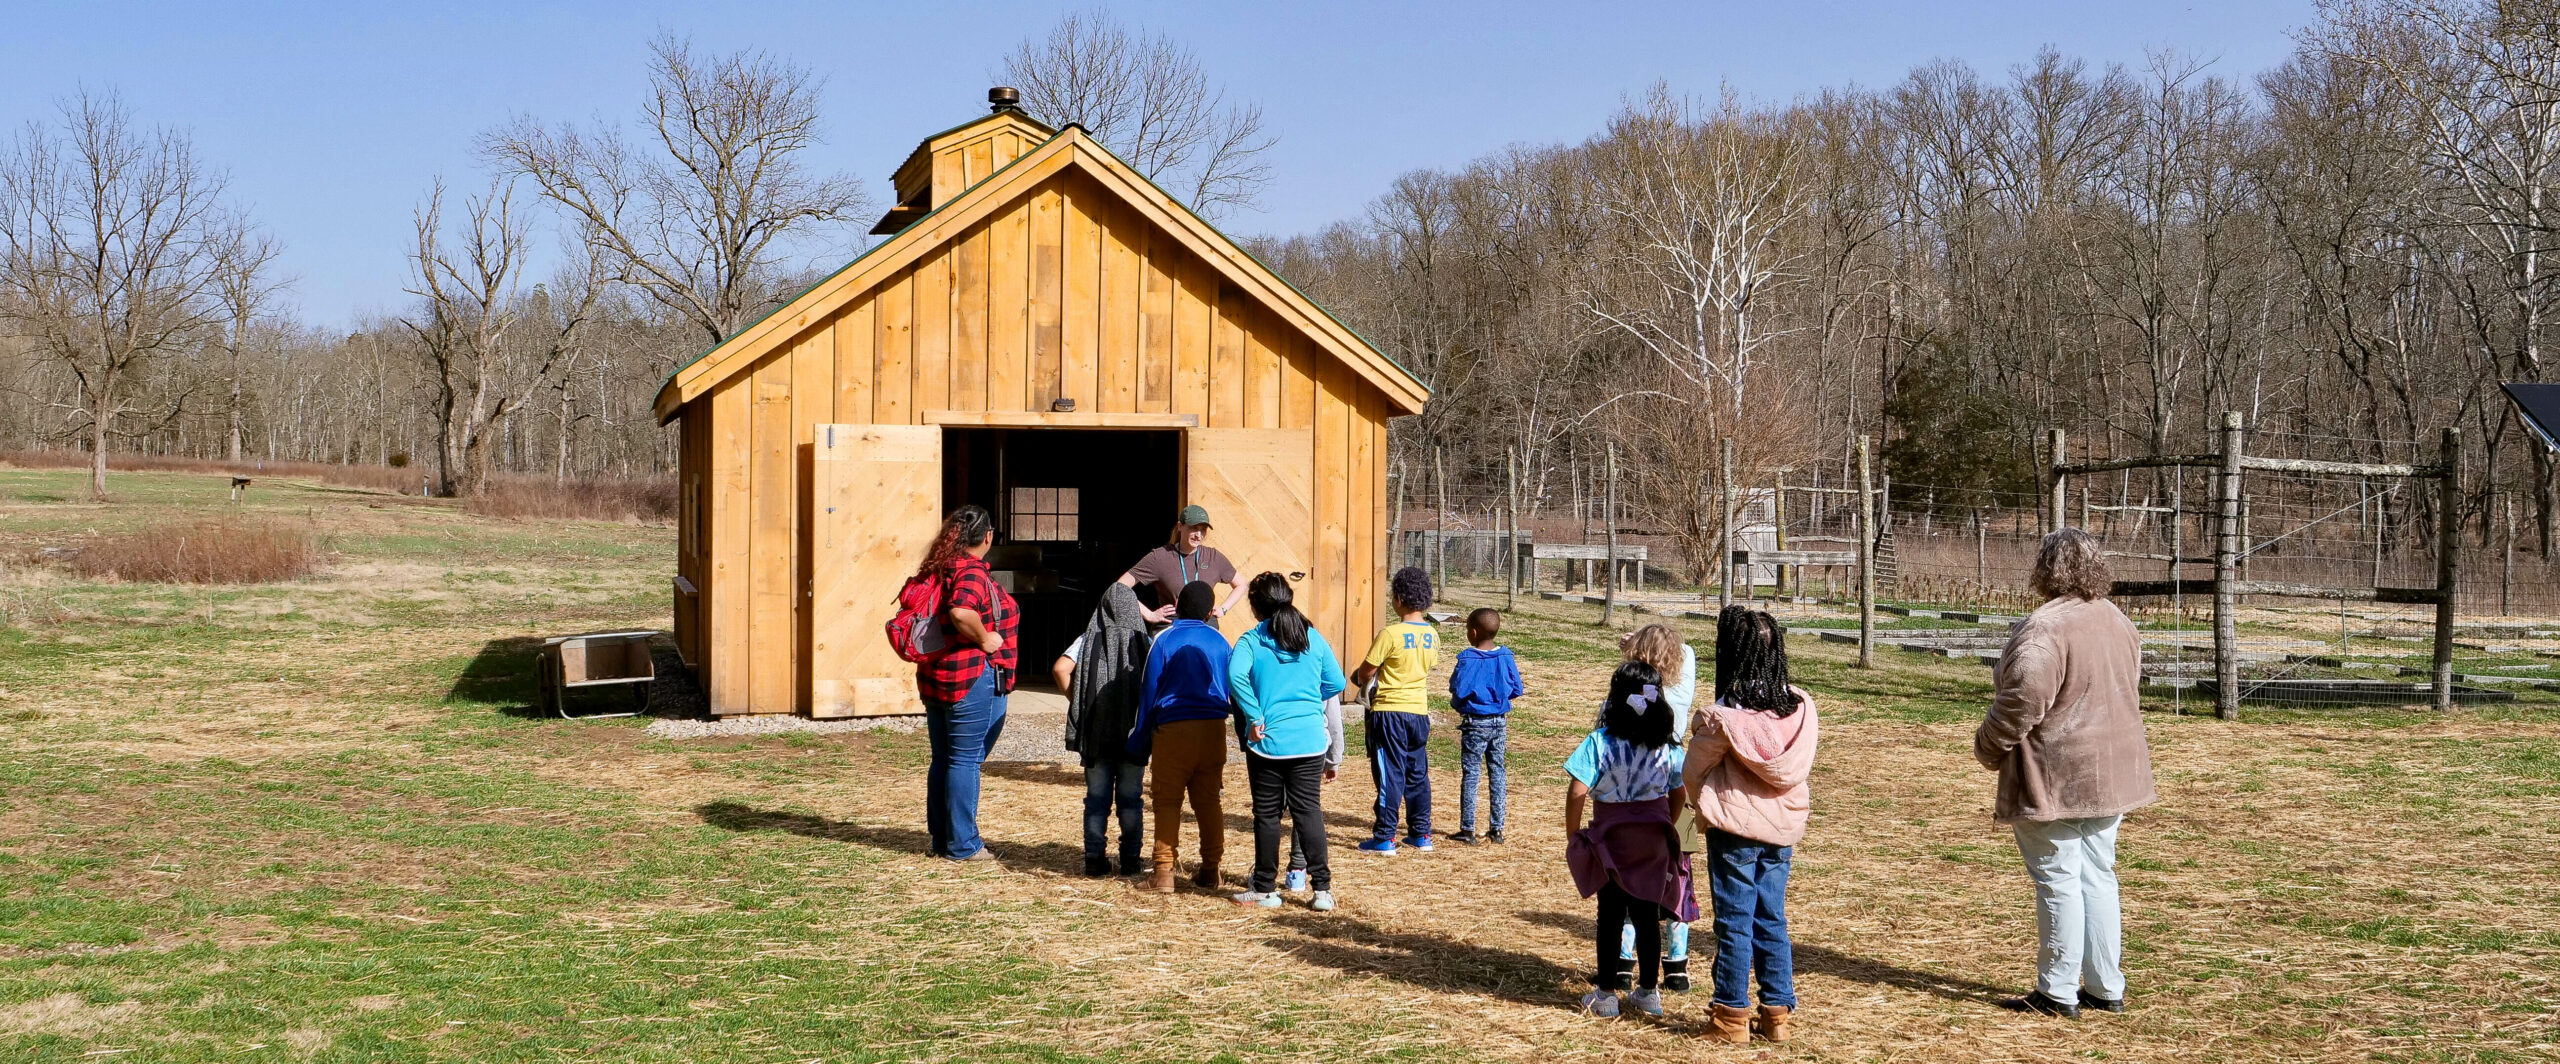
(1663, 781)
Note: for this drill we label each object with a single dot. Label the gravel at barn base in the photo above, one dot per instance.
(774, 724)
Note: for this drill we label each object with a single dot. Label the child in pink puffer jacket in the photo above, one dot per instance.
(1750, 754)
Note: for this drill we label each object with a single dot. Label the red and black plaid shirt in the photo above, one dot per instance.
(948, 677)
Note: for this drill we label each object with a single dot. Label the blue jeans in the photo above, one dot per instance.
(2079, 917)
(1480, 745)
(1400, 764)
(1749, 881)
(1112, 782)
(961, 733)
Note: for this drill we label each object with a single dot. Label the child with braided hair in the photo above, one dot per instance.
(1750, 754)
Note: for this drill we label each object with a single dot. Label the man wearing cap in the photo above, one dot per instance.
(1184, 558)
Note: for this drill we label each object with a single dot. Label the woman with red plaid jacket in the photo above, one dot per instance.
(964, 687)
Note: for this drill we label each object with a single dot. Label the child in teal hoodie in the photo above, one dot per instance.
(1287, 687)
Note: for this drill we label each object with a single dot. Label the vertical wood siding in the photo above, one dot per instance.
(1066, 293)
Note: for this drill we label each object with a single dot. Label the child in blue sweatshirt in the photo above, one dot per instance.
(1182, 717)
(1481, 688)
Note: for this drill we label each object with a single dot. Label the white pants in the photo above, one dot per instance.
(2079, 920)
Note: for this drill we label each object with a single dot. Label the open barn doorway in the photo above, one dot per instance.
(1074, 509)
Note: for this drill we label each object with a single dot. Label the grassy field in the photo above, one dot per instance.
(315, 821)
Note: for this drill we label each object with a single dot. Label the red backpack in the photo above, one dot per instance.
(916, 630)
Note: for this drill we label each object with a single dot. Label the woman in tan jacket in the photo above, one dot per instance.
(2065, 734)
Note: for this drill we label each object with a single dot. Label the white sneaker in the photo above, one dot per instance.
(1323, 902)
(1256, 899)
(1297, 880)
(1601, 1003)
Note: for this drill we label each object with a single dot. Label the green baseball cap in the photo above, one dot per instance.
(1195, 514)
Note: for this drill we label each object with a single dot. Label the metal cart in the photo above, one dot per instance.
(596, 660)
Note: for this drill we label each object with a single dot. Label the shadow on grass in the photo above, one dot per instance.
(1809, 958)
(1052, 857)
(1431, 962)
(505, 675)
(1055, 775)
(501, 675)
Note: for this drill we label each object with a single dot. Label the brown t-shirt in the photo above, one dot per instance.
(1166, 571)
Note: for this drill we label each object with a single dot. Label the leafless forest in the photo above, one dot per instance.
(2345, 248)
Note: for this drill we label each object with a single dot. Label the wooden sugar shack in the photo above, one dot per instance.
(1051, 336)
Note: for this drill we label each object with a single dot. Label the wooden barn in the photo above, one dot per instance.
(1051, 336)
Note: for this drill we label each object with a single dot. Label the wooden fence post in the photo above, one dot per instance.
(2059, 513)
(1439, 559)
(2226, 560)
(1511, 521)
(1866, 559)
(1724, 537)
(1609, 597)
(2448, 559)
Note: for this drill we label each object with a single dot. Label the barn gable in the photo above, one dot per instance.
(1070, 152)
(1050, 323)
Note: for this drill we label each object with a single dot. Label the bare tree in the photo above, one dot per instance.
(467, 326)
(106, 264)
(698, 217)
(1146, 98)
(1704, 204)
(245, 281)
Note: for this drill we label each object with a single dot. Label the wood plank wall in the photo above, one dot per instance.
(1067, 294)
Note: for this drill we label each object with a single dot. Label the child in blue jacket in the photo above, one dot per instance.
(1481, 688)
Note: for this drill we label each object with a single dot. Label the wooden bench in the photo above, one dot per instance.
(1587, 554)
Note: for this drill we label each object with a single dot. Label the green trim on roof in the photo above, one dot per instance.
(856, 260)
(956, 197)
(1257, 260)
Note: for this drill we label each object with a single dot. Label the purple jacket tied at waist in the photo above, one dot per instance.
(1637, 844)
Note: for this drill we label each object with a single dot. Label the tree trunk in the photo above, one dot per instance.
(98, 413)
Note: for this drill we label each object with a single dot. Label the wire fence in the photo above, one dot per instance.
(1950, 577)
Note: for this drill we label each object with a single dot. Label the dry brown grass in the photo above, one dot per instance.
(638, 500)
(205, 551)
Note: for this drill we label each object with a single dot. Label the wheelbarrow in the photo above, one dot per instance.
(596, 661)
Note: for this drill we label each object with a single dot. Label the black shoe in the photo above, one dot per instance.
(2093, 1001)
(1132, 865)
(1675, 976)
(1494, 836)
(1462, 835)
(1627, 980)
(1096, 867)
(2036, 1002)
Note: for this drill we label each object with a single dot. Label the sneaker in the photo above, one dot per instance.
(1381, 847)
(1494, 836)
(1256, 899)
(1646, 1000)
(2093, 1001)
(1421, 843)
(2035, 1002)
(1601, 1003)
(1297, 881)
(1464, 837)
(1323, 902)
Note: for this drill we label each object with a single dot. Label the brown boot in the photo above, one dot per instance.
(1162, 883)
(1725, 1024)
(1772, 1023)
(1208, 878)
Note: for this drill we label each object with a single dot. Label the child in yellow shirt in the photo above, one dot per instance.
(1398, 724)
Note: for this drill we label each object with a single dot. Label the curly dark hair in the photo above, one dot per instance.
(2068, 562)
(1412, 588)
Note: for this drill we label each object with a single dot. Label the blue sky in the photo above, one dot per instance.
(333, 118)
